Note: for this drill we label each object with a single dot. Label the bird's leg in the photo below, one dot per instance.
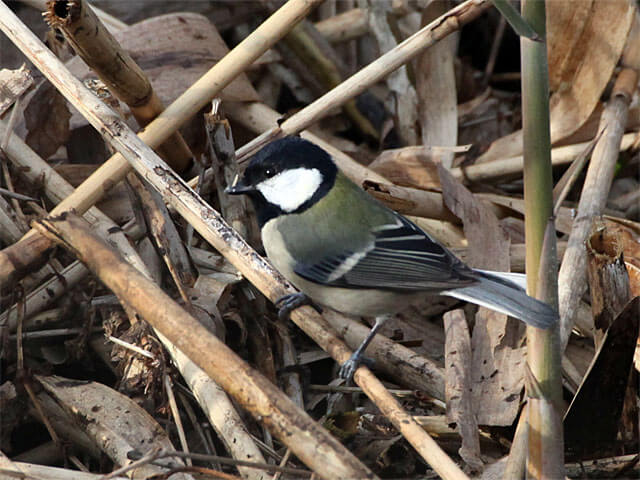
(349, 367)
(288, 303)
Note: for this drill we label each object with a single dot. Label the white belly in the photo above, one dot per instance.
(361, 302)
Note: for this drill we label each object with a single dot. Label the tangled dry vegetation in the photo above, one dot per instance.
(146, 330)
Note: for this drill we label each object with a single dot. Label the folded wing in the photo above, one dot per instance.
(400, 257)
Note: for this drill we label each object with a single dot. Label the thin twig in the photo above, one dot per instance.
(175, 412)
(230, 461)
(146, 459)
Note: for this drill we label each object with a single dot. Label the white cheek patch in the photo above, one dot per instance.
(291, 188)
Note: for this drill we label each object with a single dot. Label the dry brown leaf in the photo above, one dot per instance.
(585, 42)
(625, 237)
(206, 294)
(13, 84)
(47, 121)
(409, 167)
(634, 279)
(460, 410)
(188, 47)
(608, 279)
(498, 359)
(114, 422)
(580, 352)
(619, 235)
(487, 239)
(592, 421)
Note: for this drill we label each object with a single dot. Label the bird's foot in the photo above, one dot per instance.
(288, 303)
(348, 368)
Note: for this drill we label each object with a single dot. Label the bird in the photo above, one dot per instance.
(346, 251)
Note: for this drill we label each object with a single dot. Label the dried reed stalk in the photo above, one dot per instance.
(511, 167)
(220, 410)
(9, 469)
(352, 23)
(112, 23)
(411, 201)
(394, 360)
(321, 62)
(572, 278)
(114, 66)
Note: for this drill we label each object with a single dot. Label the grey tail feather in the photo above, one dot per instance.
(498, 292)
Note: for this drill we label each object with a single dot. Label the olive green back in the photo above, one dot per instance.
(345, 215)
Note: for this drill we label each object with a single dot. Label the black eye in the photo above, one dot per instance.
(269, 172)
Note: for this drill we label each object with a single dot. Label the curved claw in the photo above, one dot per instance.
(288, 303)
(348, 368)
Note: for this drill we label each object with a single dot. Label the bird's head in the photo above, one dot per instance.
(287, 176)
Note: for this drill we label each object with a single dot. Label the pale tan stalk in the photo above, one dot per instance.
(11, 470)
(345, 26)
(371, 74)
(517, 460)
(44, 295)
(510, 167)
(220, 411)
(320, 62)
(572, 277)
(411, 201)
(353, 23)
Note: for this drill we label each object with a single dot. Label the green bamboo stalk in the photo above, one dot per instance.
(519, 24)
(546, 444)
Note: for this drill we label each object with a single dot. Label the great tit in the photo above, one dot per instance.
(346, 251)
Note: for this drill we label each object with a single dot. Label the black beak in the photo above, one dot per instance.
(239, 188)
